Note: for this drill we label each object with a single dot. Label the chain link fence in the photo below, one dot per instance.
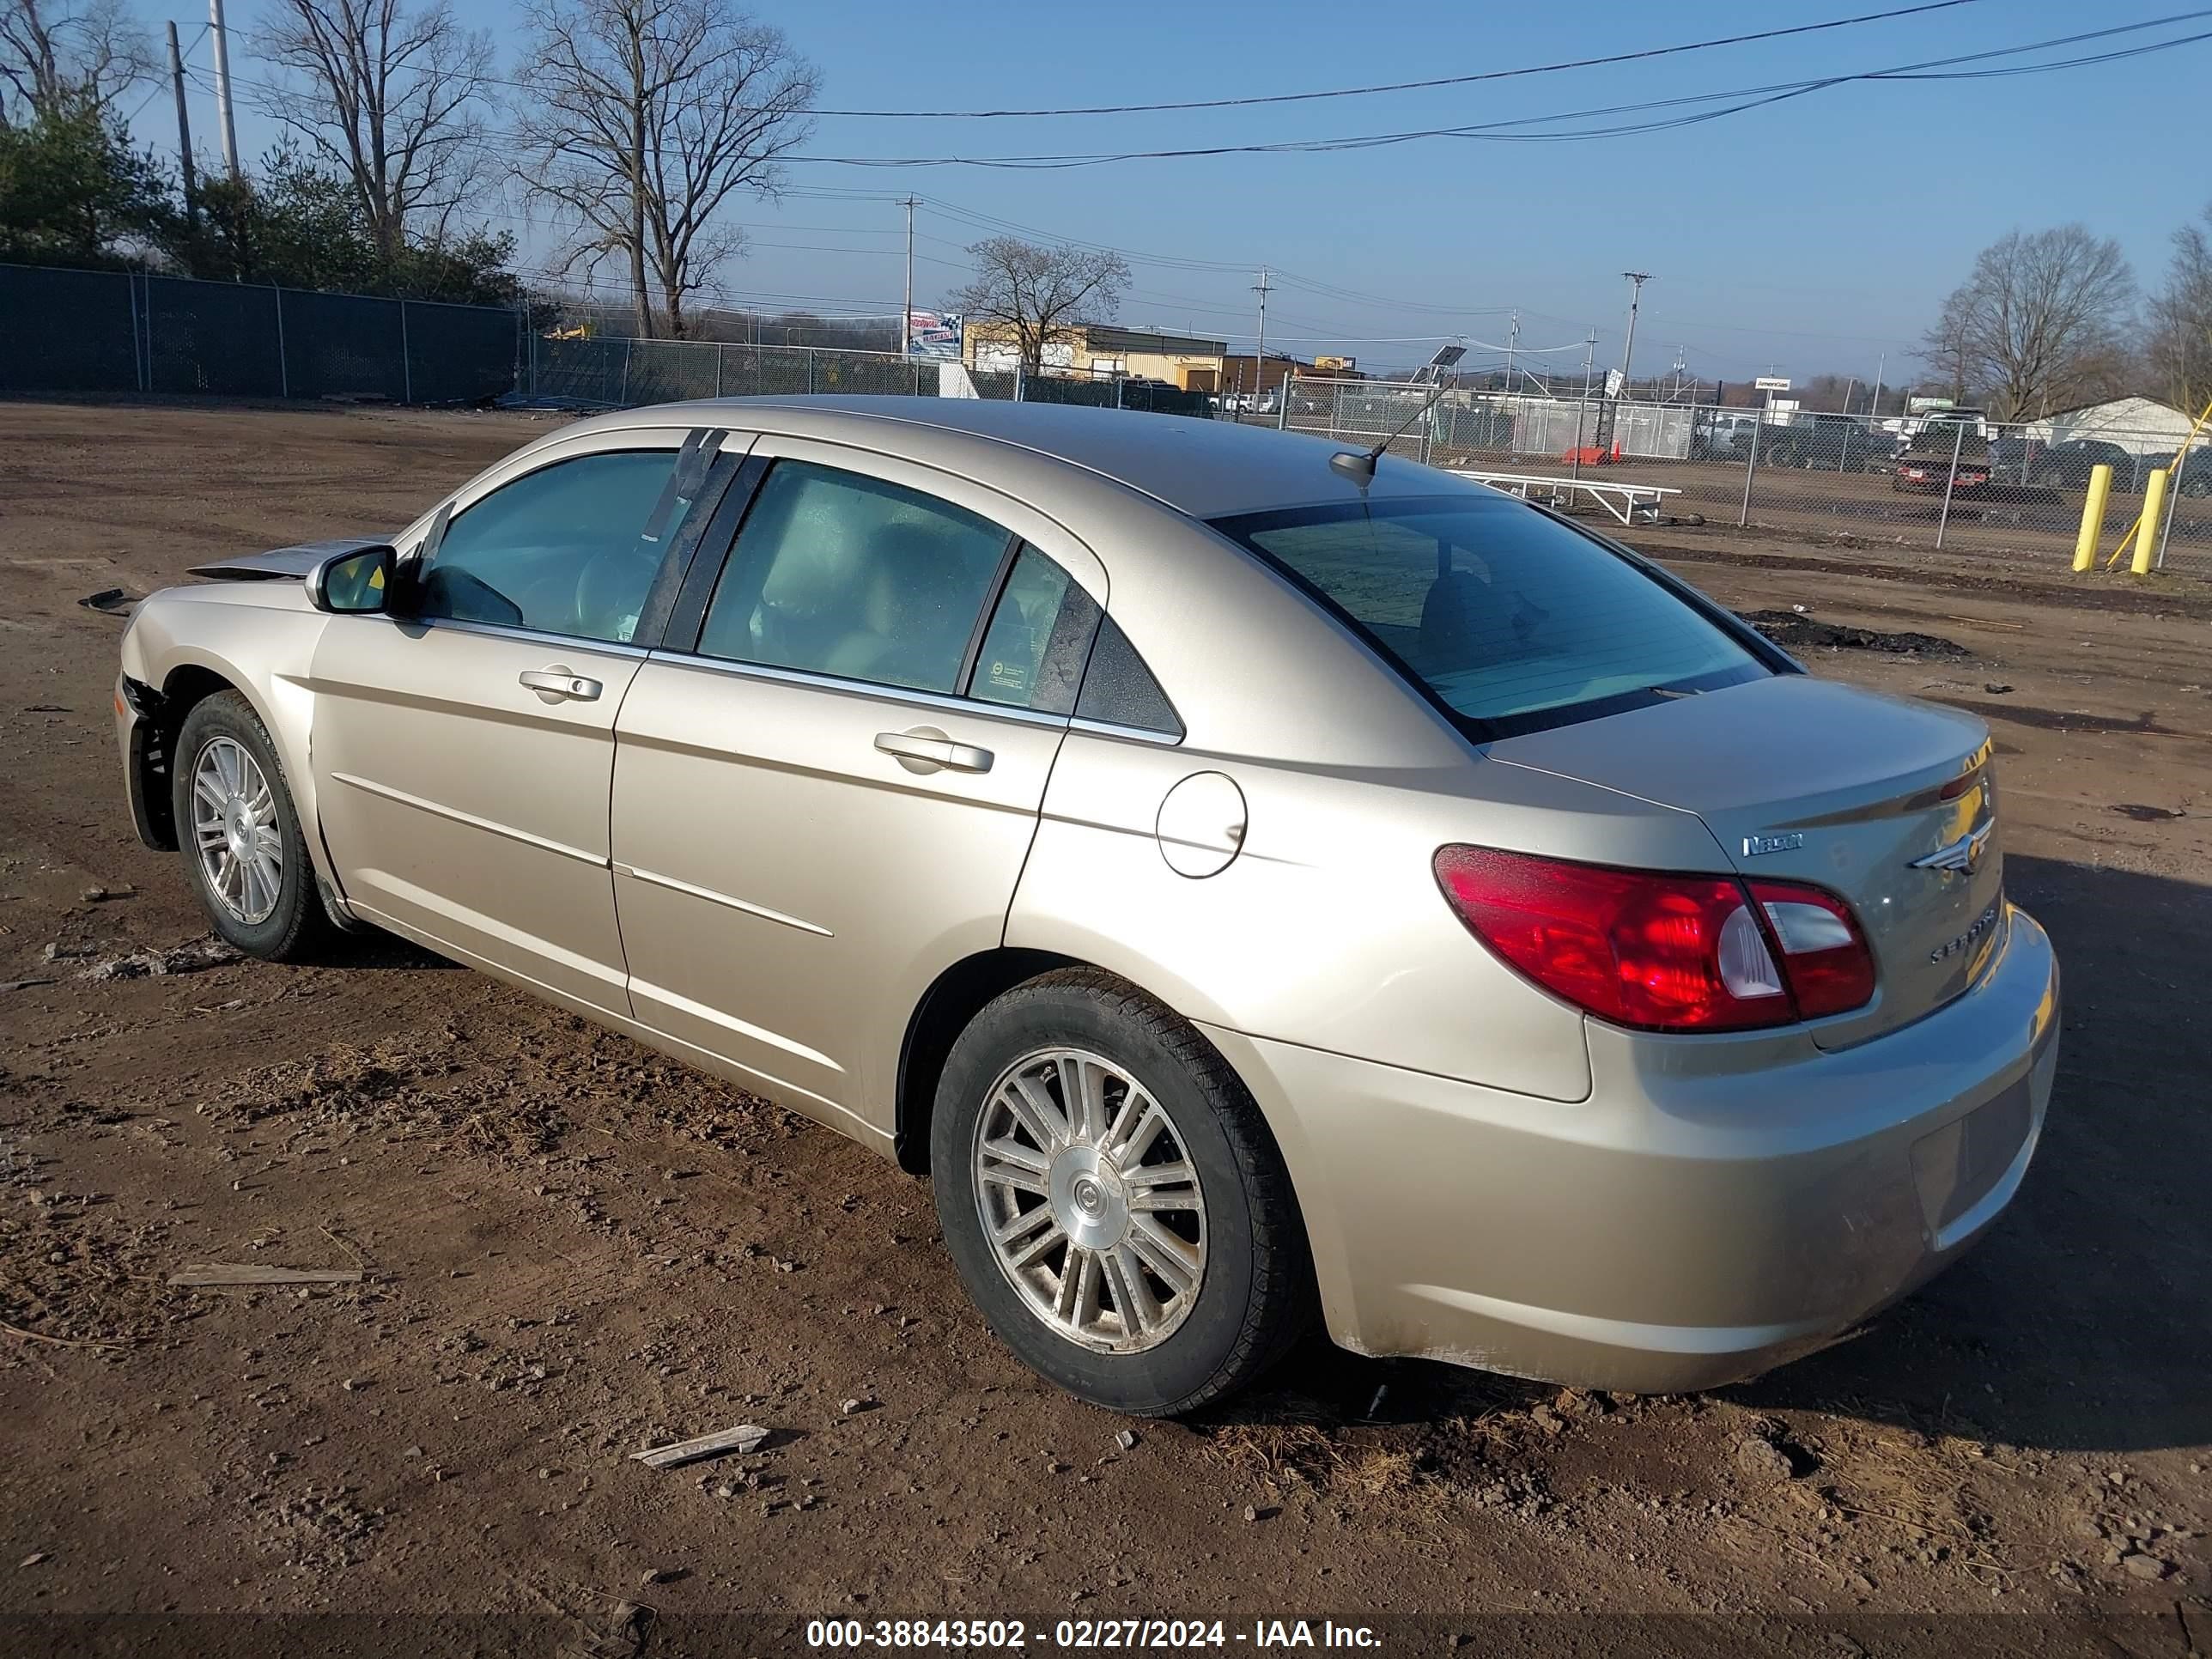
(1959, 483)
(617, 372)
(118, 331)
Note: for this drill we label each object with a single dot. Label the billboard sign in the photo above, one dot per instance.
(934, 335)
(1772, 383)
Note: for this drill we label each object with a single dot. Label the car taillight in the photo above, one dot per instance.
(1662, 952)
(1824, 955)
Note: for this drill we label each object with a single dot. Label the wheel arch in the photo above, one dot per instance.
(188, 675)
(954, 998)
(164, 708)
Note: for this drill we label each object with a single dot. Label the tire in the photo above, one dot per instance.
(295, 926)
(1253, 1292)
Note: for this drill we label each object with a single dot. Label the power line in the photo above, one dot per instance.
(1643, 55)
(163, 80)
(1513, 130)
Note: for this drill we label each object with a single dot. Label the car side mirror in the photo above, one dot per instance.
(356, 583)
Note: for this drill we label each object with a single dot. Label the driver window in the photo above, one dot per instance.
(560, 551)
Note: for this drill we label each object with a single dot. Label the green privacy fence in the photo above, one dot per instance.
(130, 331)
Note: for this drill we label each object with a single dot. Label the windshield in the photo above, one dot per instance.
(1510, 619)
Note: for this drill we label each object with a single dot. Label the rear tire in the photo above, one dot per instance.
(1192, 1275)
(239, 833)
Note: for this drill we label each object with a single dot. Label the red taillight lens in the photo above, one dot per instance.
(1664, 952)
(1824, 955)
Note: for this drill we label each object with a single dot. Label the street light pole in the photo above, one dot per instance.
(222, 113)
(1637, 278)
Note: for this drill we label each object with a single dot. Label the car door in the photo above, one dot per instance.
(828, 778)
(464, 746)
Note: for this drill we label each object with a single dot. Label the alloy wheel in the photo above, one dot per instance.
(1090, 1200)
(235, 832)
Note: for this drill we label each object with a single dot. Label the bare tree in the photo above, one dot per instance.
(1039, 294)
(393, 99)
(642, 118)
(2178, 351)
(2036, 326)
(63, 54)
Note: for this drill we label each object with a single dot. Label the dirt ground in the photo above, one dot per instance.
(575, 1249)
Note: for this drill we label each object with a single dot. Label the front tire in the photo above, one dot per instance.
(239, 834)
(1113, 1200)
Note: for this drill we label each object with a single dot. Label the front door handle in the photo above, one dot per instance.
(934, 749)
(558, 681)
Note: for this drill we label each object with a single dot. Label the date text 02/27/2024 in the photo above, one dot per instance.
(1264, 1635)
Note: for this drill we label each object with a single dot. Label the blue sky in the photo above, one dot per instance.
(1813, 235)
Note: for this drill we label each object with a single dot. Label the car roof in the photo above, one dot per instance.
(1207, 469)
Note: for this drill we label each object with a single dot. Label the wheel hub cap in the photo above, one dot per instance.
(1090, 1201)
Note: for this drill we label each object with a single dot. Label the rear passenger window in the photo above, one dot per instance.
(1032, 652)
(840, 573)
(1118, 689)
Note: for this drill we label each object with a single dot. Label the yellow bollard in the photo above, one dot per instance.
(2154, 516)
(2093, 516)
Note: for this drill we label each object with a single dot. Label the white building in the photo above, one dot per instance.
(2142, 426)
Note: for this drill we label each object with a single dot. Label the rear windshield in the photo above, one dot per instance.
(1938, 437)
(1509, 619)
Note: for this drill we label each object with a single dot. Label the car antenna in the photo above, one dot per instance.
(1360, 468)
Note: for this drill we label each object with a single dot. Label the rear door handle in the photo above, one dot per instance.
(558, 681)
(934, 750)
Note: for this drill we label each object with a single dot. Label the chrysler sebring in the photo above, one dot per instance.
(1254, 880)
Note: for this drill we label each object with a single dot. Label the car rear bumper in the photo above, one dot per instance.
(1701, 1217)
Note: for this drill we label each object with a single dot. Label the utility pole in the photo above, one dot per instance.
(1873, 409)
(222, 90)
(1635, 298)
(1581, 408)
(1512, 340)
(184, 124)
(1680, 363)
(1260, 351)
(906, 311)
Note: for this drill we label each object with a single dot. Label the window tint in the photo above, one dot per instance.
(1937, 437)
(1032, 652)
(1507, 617)
(1120, 690)
(849, 575)
(560, 549)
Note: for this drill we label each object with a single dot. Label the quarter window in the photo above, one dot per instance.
(839, 573)
(560, 551)
(1119, 689)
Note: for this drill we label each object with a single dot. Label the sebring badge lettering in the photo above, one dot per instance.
(1753, 846)
(1983, 923)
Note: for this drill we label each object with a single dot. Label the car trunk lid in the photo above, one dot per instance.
(1887, 803)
